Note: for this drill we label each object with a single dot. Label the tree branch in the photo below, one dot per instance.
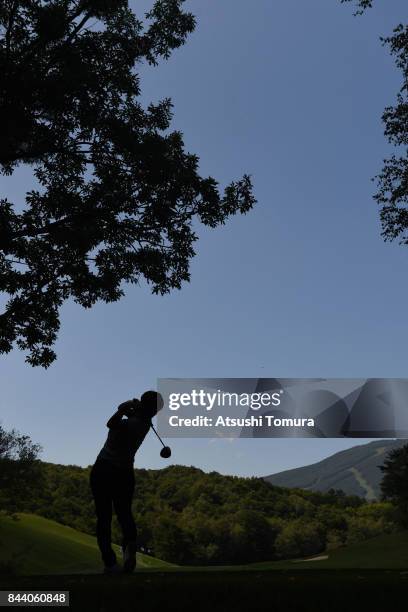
(77, 29)
(36, 45)
(35, 154)
(10, 27)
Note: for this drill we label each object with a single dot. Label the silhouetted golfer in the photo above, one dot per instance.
(112, 478)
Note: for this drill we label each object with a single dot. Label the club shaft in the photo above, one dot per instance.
(151, 425)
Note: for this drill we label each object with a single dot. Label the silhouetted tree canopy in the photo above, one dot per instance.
(394, 485)
(116, 194)
(392, 195)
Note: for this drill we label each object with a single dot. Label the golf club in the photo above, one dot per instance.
(166, 450)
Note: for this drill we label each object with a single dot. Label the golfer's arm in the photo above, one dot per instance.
(114, 420)
(119, 414)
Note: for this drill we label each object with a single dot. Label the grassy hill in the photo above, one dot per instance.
(355, 471)
(40, 546)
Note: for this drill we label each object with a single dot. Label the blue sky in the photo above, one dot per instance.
(291, 91)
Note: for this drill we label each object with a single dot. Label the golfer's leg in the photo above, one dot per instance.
(122, 502)
(103, 507)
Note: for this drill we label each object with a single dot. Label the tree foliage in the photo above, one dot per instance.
(394, 485)
(116, 194)
(19, 471)
(392, 194)
(361, 5)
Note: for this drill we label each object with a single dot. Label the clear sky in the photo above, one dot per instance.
(291, 91)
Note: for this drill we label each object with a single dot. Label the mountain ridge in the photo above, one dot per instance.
(355, 471)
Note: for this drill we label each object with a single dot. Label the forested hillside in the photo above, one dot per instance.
(187, 516)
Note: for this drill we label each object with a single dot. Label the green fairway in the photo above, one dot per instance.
(40, 546)
(384, 552)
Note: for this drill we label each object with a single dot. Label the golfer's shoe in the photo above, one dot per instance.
(129, 557)
(112, 569)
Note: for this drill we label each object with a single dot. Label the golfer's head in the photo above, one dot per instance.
(151, 402)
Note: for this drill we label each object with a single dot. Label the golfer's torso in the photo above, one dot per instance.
(123, 442)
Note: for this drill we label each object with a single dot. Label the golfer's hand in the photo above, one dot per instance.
(125, 408)
(122, 410)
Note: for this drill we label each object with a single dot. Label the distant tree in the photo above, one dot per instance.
(170, 541)
(394, 485)
(253, 537)
(117, 195)
(18, 469)
(392, 194)
(299, 538)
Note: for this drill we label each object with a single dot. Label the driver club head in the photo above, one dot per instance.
(165, 452)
